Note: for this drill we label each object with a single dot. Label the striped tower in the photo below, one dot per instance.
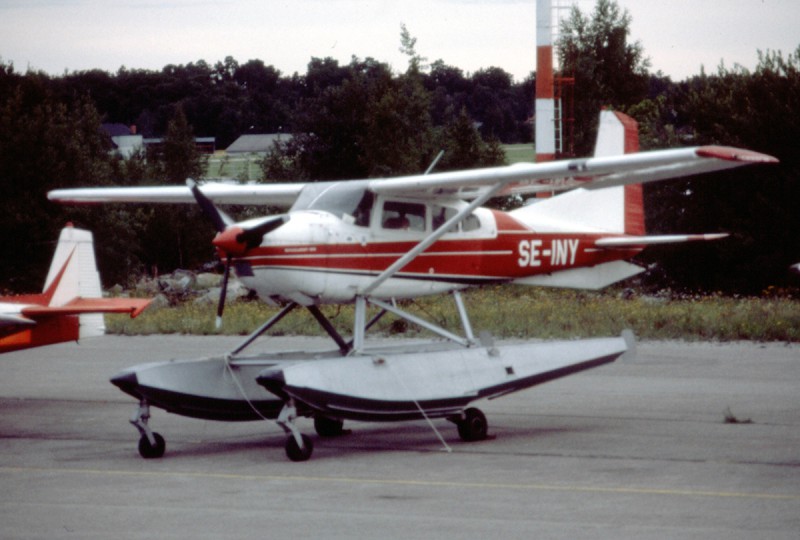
(545, 96)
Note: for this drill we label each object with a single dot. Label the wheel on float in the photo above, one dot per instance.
(473, 427)
(328, 427)
(149, 451)
(295, 453)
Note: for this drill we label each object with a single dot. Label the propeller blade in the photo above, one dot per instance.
(218, 217)
(223, 292)
(252, 237)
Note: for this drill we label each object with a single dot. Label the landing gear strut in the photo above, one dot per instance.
(299, 447)
(151, 444)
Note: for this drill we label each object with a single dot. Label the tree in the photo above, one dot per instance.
(181, 159)
(44, 145)
(758, 110)
(465, 148)
(408, 46)
(608, 70)
(177, 236)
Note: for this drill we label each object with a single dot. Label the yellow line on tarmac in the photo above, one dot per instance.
(413, 483)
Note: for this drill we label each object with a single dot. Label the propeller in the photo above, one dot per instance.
(232, 239)
(220, 219)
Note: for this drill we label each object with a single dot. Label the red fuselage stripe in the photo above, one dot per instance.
(511, 255)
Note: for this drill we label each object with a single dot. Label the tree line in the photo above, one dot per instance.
(361, 119)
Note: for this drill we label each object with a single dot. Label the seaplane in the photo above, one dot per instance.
(373, 243)
(71, 305)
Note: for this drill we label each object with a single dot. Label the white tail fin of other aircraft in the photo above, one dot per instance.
(73, 274)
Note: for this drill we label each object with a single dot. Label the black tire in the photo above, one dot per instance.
(148, 451)
(474, 426)
(295, 453)
(328, 427)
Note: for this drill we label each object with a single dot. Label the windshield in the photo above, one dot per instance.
(346, 200)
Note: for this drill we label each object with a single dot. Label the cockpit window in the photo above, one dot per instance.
(403, 216)
(350, 201)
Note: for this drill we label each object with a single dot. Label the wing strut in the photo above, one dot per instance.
(417, 320)
(264, 327)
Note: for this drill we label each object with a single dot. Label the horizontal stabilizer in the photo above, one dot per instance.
(590, 278)
(79, 306)
(633, 241)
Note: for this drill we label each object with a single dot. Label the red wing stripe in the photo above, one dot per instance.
(729, 153)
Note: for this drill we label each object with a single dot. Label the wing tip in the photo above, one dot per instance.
(139, 307)
(729, 153)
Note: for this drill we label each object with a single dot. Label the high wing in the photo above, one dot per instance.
(590, 173)
(520, 178)
(282, 195)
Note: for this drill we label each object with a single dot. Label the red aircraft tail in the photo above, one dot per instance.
(71, 305)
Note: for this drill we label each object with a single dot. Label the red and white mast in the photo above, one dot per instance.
(545, 91)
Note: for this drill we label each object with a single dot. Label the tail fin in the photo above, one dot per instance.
(610, 210)
(619, 134)
(73, 274)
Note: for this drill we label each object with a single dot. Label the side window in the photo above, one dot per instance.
(470, 223)
(403, 216)
(442, 213)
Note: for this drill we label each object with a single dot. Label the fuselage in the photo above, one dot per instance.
(321, 257)
(19, 332)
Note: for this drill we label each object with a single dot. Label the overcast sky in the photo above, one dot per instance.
(678, 35)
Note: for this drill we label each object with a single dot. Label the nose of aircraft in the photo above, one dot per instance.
(274, 381)
(229, 242)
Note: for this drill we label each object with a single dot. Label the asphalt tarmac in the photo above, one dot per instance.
(636, 449)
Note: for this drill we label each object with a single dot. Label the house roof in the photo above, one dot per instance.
(257, 144)
(116, 130)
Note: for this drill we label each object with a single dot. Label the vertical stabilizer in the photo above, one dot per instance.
(612, 210)
(618, 134)
(73, 274)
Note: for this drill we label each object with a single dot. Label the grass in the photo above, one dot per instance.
(238, 166)
(514, 312)
(516, 153)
